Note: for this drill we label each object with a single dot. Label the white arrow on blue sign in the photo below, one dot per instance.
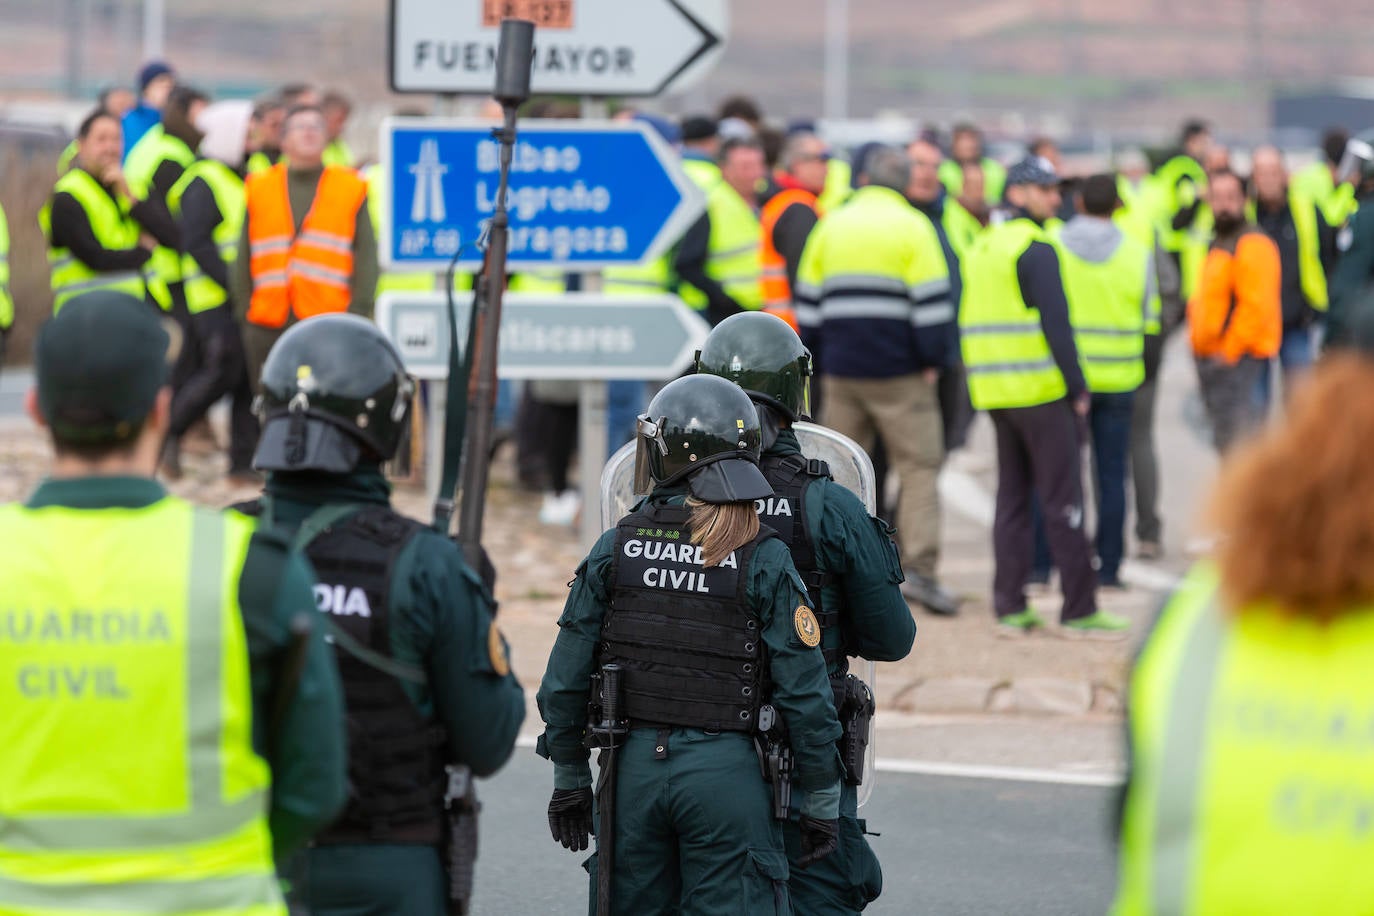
(574, 336)
(583, 195)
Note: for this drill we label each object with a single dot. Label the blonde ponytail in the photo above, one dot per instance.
(720, 528)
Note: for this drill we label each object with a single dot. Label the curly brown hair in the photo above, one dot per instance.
(1296, 506)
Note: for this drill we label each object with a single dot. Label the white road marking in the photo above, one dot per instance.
(1100, 779)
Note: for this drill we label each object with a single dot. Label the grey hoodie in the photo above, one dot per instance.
(1095, 240)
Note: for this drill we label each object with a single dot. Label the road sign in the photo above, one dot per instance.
(575, 336)
(582, 194)
(582, 47)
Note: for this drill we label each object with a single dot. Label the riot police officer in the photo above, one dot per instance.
(698, 609)
(426, 674)
(850, 567)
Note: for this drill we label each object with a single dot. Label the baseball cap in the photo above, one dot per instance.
(98, 364)
(699, 127)
(1032, 170)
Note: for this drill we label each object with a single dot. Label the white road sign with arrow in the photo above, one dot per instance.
(582, 47)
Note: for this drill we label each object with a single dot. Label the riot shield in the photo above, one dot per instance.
(851, 468)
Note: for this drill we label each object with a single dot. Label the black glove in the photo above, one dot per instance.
(818, 839)
(570, 817)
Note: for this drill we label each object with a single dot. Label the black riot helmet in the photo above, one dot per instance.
(706, 430)
(334, 391)
(764, 356)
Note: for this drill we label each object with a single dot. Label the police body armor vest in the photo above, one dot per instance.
(791, 476)
(395, 761)
(690, 645)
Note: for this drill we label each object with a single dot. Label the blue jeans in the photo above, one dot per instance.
(1109, 424)
(1295, 356)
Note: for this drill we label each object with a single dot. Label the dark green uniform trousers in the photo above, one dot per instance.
(694, 832)
(845, 881)
(375, 880)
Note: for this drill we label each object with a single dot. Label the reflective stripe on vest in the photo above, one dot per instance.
(141, 663)
(303, 274)
(1008, 360)
(113, 228)
(1107, 311)
(733, 257)
(202, 292)
(390, 281)
(776, 290)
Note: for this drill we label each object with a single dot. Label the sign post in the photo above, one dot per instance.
(583, 47)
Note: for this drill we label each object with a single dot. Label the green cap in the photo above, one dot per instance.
(99, 363)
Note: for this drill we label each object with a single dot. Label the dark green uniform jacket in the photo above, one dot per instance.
(858, 550)
(440, 621)
(308, 760)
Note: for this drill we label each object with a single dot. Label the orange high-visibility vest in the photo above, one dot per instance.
(306, 274)
(777, 292)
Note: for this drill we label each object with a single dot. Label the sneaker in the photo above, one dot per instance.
(1014, 626)
(1149, 550)
(1113, 582)
(1098, 625)
(928, 593)
(560, 508)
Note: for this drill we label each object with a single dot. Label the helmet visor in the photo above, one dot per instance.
(648, 440)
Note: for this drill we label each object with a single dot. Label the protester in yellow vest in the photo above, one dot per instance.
(1181, 181)
(965, 149)
(1250, 704)
(209, 203)
(1109, 282)
(1023, 368)
(157, 759)
(100, 235)
(720, 259)
(1307, 246)
(1319, 180)
(156, 163)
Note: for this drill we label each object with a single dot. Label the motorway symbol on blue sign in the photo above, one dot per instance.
(574, 336)
(582, 195)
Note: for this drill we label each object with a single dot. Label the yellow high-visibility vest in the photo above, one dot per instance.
(128, 781)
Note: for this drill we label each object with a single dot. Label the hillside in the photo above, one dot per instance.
(1076, 63)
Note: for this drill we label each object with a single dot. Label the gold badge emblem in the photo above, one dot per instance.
(496, 648)
(808, 628)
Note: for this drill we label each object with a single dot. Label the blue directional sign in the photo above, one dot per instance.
(583, 195)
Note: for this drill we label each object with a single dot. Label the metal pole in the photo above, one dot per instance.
(435, 410)
(591, 403)
(154, 28)
(836, 60)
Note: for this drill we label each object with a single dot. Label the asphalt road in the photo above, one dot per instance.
(949, 847)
